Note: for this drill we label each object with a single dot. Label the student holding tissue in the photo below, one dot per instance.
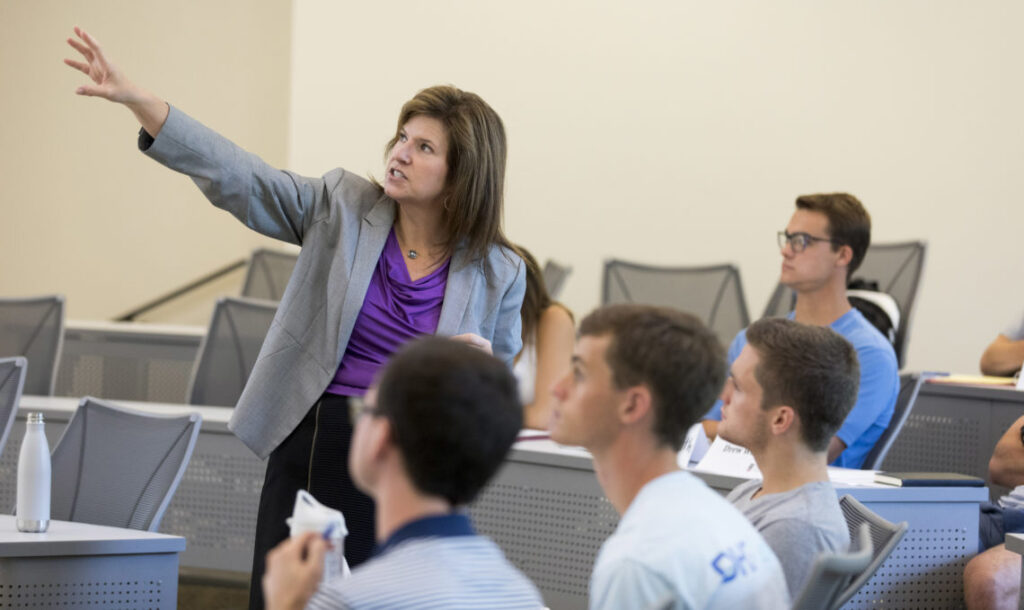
(640, 377)
(823, 244)
(786, 395)
(428, 437)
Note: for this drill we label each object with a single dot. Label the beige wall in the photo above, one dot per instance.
(680, 132)
(84, 213)
(666, 131)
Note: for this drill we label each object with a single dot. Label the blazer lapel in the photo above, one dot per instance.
(372, 235)
(463, 276)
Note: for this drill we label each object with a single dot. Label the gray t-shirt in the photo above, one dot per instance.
(797, 524)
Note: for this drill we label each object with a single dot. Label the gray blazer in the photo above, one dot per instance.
(341, 221)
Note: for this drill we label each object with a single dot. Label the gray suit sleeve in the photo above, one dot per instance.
(508, 331)
(276, 203)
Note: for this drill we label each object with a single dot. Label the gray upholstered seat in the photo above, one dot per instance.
(12, 380)
(119, 467)
(713, 293)
(34, 328)
(268, 274)
(228, 352)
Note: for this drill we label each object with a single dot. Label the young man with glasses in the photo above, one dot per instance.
(640, 377)
(823, 244)
(428, 436)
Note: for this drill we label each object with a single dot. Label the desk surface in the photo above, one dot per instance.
(215, 419)
(68, 538)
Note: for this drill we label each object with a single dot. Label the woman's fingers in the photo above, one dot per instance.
(81, 48)
(77, 65)
(94, 46)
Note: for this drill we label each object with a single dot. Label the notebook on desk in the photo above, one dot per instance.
(928, 479)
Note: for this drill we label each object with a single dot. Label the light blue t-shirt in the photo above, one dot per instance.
(879, 386)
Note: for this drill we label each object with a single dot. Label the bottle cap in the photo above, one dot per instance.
(35, 418)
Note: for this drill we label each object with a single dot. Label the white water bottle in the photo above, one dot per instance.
(33, 510)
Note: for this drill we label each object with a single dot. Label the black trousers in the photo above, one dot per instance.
(314, 457)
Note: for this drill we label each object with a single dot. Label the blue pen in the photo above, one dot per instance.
(329, 531)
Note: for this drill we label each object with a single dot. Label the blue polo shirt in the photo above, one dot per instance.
(879, 386)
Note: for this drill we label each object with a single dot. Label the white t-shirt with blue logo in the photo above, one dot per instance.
(681, 545)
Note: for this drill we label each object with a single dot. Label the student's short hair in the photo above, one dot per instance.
(454, 412)
(849, 224)
(812, 369)
(672, 353)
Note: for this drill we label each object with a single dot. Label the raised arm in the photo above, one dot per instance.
(111, 84)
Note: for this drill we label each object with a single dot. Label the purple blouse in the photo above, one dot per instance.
(395, 310)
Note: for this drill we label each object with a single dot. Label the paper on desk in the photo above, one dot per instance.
(726, 458)
(852, 477)
(695, 445)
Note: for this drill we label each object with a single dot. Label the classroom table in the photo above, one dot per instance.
(78, 564)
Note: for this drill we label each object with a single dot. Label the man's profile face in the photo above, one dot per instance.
(585, 411)
(744, 422)
(812, 268)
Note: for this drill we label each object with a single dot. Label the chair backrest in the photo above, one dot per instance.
(714, 293)
(832, 573)
(782, 301)
(884, 538)
(897, 268)
(555, 275)
(268, 274)
(910, 386)
(34, 328)
(118, 467)
(12, 380)
(229, 349)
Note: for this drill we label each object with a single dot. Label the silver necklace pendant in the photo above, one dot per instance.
(413, 254)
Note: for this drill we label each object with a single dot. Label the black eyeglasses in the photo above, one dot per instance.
(799, 241)
(357, 407)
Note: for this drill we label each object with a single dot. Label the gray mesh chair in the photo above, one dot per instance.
(12, 380)
(910, 386)
(268, 274)
(555, 275)
(831, 574)
(228, 351)
(884, 538)
(34, 328)
(714, 294)
(113, 466)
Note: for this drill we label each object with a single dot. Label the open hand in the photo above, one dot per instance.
(110, 82)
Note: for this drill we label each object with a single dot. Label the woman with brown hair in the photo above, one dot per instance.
(549, 334)
(421, 253)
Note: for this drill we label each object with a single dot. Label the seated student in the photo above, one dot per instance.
(641, 376)
(548, 335)
(787, 393)
(425, 443)
(1005, 355)
(823, 244)
(992, 579)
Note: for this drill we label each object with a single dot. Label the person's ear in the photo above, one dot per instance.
(637, 404)
(845, 255)
(783, 419)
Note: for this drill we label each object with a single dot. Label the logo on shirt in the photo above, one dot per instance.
(733, 562)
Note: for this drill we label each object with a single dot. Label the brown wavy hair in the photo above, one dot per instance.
(475, 185)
